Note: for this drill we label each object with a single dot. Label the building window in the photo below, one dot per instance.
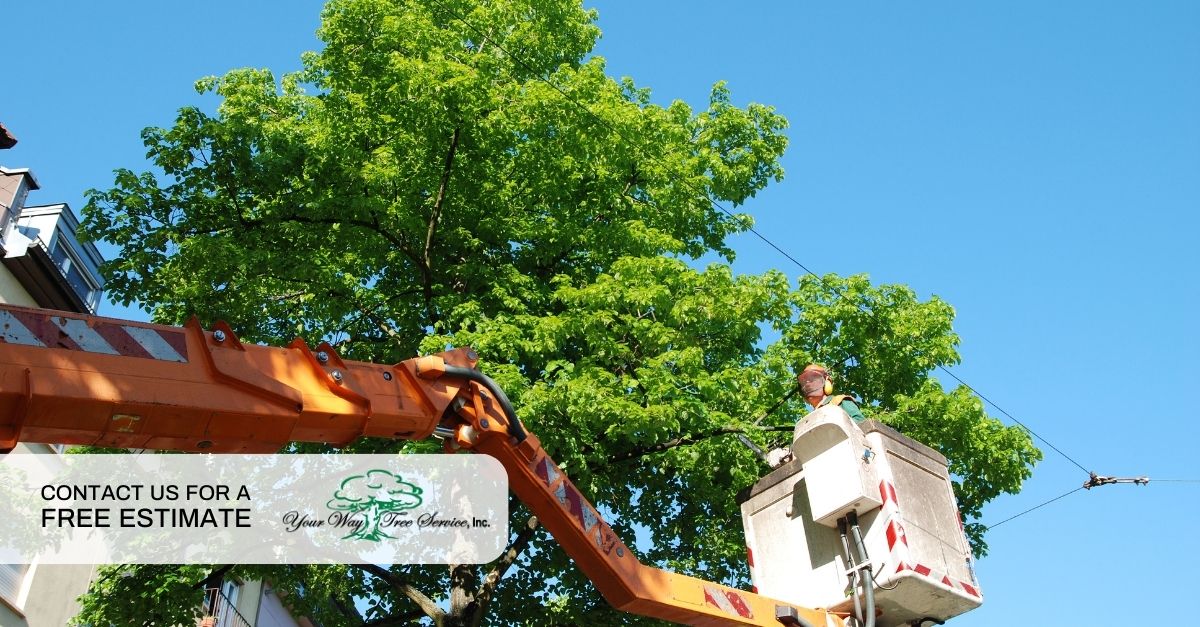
(230, 589)
(72, 269)
(221, 603)
(11, 578)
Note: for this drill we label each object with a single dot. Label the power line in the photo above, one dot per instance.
(1011, 417)
(712, 201)
(1094, 482)
(1061, 496)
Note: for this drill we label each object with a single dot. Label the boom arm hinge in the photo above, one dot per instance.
(789, 616)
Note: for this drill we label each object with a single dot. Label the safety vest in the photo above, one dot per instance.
(836, 400)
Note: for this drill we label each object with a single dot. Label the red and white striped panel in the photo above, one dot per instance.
(750, 563)
(898, 545)
(897, 541)
(569, 497)
(108, 338)
(728, 601)
(940, 577)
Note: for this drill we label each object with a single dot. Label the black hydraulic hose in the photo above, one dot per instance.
(514, 425)
(869, 582)
(852, 570)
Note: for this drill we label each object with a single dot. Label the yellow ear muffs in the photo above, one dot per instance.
(828, 386)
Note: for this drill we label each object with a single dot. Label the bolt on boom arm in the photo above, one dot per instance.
(76, 379)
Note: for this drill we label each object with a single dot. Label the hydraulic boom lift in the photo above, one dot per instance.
(76, 379)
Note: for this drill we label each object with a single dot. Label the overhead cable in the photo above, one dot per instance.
(712, 201)
(1035, 507)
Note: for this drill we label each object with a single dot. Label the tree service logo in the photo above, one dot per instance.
(367, 504)
(373, 500)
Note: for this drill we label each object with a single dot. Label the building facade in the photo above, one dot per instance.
(44, 264)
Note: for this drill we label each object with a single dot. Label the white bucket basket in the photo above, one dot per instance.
(902, 493)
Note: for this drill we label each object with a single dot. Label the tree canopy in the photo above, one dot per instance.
(454, 172)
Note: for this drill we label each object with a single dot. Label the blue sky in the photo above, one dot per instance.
(1037, 165)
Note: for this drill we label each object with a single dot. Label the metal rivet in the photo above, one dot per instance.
(322, 356)
(472, 355)
(337, 375)
(387, 376)
(219, 336)
(620, 552)
(485, 424)
(203, 444)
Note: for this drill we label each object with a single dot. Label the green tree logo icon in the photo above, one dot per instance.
(374, 494)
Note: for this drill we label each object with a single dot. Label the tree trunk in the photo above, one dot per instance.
(464, 581)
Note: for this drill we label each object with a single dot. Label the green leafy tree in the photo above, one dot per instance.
(453, 172)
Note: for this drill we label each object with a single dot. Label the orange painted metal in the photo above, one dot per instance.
(616, 572)
(214, 394)
(74, 379)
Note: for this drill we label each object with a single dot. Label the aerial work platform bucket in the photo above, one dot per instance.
(901, 492)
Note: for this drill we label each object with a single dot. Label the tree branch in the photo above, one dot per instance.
(394, 621)
(372, 225)
(463, 580)
(371, 312)
(633, 179)
(670, 444)
(214, 576)
(487, 590)
(427, 605)
(347, 611)
(436, 214)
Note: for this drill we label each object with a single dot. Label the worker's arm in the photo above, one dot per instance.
(851, 408)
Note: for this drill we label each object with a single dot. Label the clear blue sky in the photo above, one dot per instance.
(1035, 164)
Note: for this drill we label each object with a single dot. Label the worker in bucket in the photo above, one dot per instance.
(817, 388)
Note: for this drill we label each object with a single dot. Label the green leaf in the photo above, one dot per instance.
(414, 186)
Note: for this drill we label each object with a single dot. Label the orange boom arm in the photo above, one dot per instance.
(75, 379)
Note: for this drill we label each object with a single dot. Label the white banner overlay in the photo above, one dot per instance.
(252, 509)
